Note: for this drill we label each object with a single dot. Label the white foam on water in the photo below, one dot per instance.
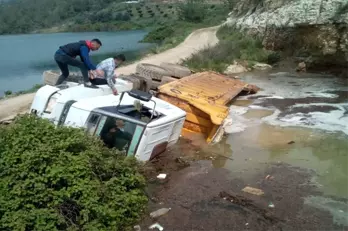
(322, 95)
(287, 85)
(258, 107)
(332, 121)
(274, 97)
(236, 122)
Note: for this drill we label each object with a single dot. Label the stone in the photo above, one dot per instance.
(254, 191)
(262, 66)
(235, 68)
(301, 67)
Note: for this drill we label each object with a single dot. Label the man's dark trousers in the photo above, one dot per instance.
(63, 60)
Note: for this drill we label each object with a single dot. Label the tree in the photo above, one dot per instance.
(62, 179)
(230, 4)
(192, 10)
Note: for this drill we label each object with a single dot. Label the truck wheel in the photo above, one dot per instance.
(176, 70)
(136, 80)
(50, 77)
(151, 71)
(155, 84)
(167, 79)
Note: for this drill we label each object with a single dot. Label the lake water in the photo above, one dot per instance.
(23, 58)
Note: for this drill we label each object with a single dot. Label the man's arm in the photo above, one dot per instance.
(109, 71)
(85, 58)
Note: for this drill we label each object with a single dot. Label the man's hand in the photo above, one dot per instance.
(112, 130)
(92, 74)
(114, 91)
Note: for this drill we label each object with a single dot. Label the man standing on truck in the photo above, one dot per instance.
(66, 56)
(105, 73)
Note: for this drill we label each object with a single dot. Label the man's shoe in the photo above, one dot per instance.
(90, 85)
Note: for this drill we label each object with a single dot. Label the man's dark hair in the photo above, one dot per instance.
(97, 41)
(120, 57)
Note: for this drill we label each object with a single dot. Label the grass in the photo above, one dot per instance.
(233, 45)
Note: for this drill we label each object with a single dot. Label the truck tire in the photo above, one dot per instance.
(132, 78)
(167, 79)
(155, 84)
(51, 77)
(151, 71)
(176, 70)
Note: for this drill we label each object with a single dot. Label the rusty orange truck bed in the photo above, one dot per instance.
(205, 97)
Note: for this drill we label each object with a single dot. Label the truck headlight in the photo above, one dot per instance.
(51, 103)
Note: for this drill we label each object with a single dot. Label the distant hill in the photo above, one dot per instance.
(26, 16)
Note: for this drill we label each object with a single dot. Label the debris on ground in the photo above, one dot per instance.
(291, 142)
(248, 204)
(182, 162)
(162, 176)
(137, 228)
(271, 205)
(156, 226)
(159, 212)
(251, 190)
(302, 67)
(269, 177)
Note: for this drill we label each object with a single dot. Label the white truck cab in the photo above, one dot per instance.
(50, 102)
(135, 122)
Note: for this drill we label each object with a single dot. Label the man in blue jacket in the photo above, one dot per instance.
(66, 56)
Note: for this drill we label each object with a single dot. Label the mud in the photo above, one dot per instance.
(202, 197)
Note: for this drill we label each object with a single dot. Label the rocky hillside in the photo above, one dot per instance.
(314, 31)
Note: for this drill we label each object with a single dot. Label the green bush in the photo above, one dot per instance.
(230, 4)
(193, 10)
(233, 45)
(7, 93)
(62, 179)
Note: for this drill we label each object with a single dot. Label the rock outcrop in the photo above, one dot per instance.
(315, 31)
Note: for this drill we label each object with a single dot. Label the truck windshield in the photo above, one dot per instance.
(119, 133)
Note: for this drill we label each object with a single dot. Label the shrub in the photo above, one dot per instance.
(193, 10)
(7, 93)
(62, 179)
(214, 58)
(230, 4)
(126, 17)
(273, 58)
(233, 45)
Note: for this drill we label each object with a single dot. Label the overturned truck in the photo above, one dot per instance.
(205, 96)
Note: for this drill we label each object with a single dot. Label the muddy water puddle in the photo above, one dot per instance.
(294, 130)
(302, 122)
(298, 120)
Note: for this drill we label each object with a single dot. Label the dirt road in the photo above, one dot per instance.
(195, 41)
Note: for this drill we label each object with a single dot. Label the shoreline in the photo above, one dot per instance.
(197, 40)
